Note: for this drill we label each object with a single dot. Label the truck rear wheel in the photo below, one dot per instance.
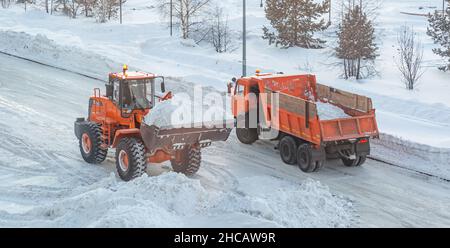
(188, 161)
(90, 143)
(288, 149)
(358, 161)
(244, 133)
(305, 159)
(130, 159)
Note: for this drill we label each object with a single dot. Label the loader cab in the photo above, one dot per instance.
(133, 90)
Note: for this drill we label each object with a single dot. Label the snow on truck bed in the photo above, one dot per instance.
(171, 114)
(328, 111)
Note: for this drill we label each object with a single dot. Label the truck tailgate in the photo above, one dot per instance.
(349, 128)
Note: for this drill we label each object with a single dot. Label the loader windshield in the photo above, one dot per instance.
(137, 94)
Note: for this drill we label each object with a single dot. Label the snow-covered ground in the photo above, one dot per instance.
(45, 182)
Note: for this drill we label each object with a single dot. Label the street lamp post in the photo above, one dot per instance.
(171, 18)
(120, 11)
(244, 40)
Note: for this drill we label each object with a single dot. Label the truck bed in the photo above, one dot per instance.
(299, 117)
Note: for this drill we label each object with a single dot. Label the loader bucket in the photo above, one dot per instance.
(171, 139)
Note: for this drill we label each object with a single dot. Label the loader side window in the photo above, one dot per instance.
(116, 85)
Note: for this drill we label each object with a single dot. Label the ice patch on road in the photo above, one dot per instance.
(170, 199)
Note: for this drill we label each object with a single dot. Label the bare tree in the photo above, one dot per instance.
(88, 6)
(25, 2)
(410, 52)
(220, 33)
(104, 10)
(186, 13)
(5, 3)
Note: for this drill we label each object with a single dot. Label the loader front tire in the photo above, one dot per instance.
(90, 143)
(288, 149)
(188, 162)
(130, 158)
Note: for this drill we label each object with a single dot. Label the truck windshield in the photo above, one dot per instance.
(140, 94)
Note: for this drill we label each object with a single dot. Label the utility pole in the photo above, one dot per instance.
(261, 5)
(329, 14)
(120, 11)
(171, 18)
(443, 7)
(244, 40)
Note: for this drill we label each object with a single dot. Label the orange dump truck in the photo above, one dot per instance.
(306, 133)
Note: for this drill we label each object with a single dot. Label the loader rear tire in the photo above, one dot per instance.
(189, 161)
(288, 149)
(130, 158)
(358, 161)
(90, 143)
(304, 159)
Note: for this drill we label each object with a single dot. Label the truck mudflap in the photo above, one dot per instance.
(171, 139)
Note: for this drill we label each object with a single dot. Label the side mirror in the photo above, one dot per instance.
(163, 87)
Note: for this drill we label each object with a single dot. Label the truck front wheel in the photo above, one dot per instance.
(188, 161)
(244, 133)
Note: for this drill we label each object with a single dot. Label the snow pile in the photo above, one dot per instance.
(171, 200)
(40, 48)
(288, 204)
(328, 111)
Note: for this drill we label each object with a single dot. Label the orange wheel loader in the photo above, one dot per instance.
(304, 136)
(115, 120)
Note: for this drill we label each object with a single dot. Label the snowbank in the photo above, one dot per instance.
(328, 111)
(418, 157)
(171, 199)
(41, 49)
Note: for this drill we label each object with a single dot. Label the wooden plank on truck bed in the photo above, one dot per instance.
(293, 104)
(344, 98)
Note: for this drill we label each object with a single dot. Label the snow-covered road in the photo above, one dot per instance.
(45, 182)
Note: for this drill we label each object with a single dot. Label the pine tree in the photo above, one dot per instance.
(294, 22)
(356, 42)
(439, 30)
